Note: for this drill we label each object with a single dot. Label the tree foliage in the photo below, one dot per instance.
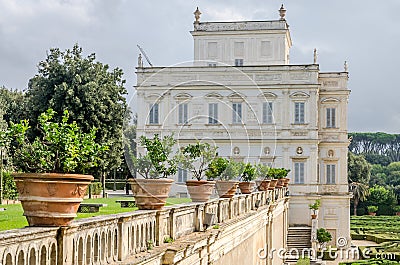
(13, 105)
(93, 94)
(378, 147)
(358, 168)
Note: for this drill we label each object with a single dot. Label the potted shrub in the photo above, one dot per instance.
(225, 171)
(151, 191)
(278, 174)
(314, 207)
(196, 158)
(263, 181)
(323, 237)
(372, 209)
(51, 188)
(249, 174)
(396, 209)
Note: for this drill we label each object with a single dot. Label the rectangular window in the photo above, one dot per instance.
(299, 173)
(212, 50)
(331, 118)
(153, 116)
(238, 49)
(267, 113)
(266, 49)
(213, 113)
(238, 62)
(183, 113)
(330, 174)
(299, 112)
(236, 112)
(182, 175)
(212, 64)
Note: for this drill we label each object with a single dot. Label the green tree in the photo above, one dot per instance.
(13, 105)
(379, 195)
(92, 93)
(358, 168)
(360, 193)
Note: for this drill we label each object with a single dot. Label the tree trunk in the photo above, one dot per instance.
(355, 204)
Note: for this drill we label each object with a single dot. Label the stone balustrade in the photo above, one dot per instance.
(112, 238)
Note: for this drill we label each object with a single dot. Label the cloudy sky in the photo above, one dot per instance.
(365, 33)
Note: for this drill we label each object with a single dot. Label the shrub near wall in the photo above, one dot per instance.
(9, 188)
(95, 188)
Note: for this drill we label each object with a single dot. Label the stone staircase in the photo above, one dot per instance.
(298, 242)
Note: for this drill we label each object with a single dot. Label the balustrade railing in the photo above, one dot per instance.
(110, 238)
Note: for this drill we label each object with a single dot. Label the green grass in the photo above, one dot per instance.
(13, 217)
(385, 227)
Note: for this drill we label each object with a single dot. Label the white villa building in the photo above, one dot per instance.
(242, 94)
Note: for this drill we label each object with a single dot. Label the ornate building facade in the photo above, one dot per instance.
(242, 94)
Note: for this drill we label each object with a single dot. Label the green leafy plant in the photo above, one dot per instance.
(315, 206)
(231, 171)
(9, 188)
(158, 162)
(249, 173)
(372, 208)
(63, 147)
(217, 166)
(216, 227)
(197, 157)
(396, 208)
(95, 188)
(323, 236)
(277, 173)
(150, 244)
(262, 171)
(168, 240)
(303, 261)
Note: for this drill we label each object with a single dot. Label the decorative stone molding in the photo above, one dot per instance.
(242, 25)
(182, 97)
(299, 95)
(213, 96)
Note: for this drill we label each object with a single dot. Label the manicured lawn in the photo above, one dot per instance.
(13, 217)
(384, 227)
(384, 230)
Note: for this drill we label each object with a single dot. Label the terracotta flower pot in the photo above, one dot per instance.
(200, 191)
(279, 183)
(151, 194)
(263, 185)
(226, 189)
(246, 187)
(372, 214)
(272, 184)
(286, 182)
(398, 213)
(313, 216)
(51, 199)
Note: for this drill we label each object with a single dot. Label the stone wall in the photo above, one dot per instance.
(122, 237)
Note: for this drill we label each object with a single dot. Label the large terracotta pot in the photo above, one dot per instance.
(286, 182)
(279, 183)
(151, 194)
(272, 184)
(372, 214)
(51, 199)
(200, 190)
(226, 189)
(398, 213)
(263, 185)
(246, 187)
